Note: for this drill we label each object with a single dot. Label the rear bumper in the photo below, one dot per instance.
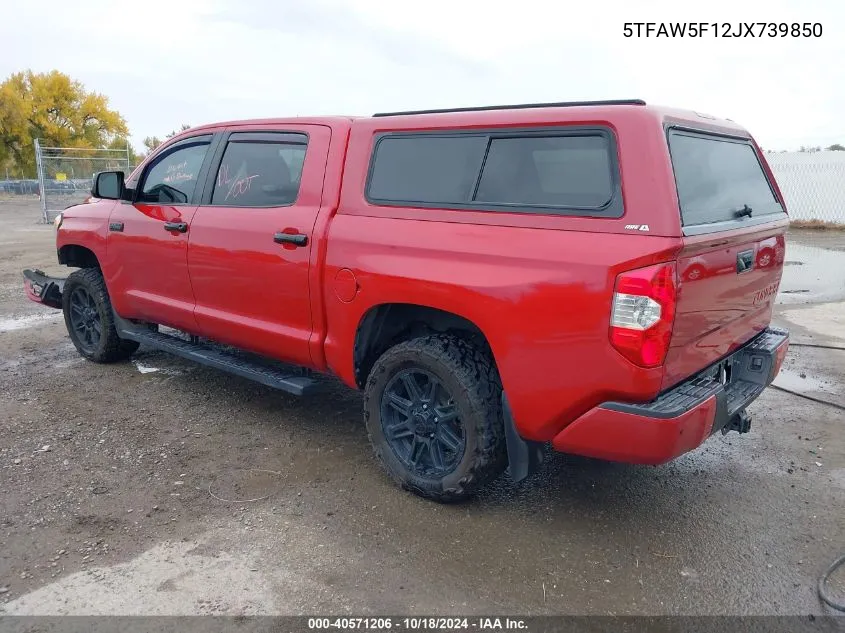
(680, 419)
(43, 289)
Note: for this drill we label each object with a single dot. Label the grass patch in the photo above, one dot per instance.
(817, 225)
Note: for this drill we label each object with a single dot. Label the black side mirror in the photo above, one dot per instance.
(108, 185)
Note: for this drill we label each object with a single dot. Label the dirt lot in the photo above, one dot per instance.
(112, 480)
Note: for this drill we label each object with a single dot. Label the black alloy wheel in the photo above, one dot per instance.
(422, 424)
(85, 319)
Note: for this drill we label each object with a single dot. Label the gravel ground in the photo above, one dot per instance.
(118, 485)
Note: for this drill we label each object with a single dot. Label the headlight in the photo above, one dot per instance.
(58, 221)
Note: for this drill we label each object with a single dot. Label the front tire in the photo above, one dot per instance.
(432, 408)
(89, 318)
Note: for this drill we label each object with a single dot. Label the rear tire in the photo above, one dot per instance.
(432, 408)
(90, 320)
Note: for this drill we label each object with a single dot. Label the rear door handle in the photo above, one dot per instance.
(297, 239)
(182, 227)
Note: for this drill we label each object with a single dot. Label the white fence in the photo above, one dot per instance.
(813, 184)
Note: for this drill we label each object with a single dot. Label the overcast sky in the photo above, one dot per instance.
(162, 63)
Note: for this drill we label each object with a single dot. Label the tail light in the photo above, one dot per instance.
(643, 312)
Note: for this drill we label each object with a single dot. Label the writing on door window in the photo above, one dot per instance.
(234, 186)
(177, 173)
(259, 171)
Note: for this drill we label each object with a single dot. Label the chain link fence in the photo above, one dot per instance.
(66, 174)
(813, 184)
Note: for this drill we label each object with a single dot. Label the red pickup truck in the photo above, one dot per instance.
(598, 275)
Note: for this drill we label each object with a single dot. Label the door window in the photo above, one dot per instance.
(172, 178)
(258, 173)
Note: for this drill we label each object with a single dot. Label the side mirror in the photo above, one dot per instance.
(108, 185)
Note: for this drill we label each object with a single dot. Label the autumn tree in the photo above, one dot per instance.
(57, 110)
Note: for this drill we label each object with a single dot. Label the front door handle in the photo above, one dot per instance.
(182, 227)
(297, 239)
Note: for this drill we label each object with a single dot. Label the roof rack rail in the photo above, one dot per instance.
(520, 106)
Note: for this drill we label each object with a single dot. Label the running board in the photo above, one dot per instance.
(211, 355)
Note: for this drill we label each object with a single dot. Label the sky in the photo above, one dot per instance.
(164, 63)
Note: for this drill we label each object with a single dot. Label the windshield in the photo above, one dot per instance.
(718, 179)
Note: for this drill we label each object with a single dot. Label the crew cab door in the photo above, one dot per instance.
(252, 238)
(147, 270)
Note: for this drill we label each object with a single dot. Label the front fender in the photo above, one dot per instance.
(86, 225)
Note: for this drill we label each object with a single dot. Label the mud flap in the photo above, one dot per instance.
(524, 457)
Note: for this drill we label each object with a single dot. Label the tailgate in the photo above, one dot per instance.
(730, 265)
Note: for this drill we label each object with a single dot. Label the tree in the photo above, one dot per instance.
(122, 143)
(57, 110)
(184, 127)
(836, 147)
(151, 142)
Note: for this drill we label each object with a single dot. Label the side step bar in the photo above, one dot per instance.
(208, 354)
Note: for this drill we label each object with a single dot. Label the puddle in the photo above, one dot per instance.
(10, 324)
(812, 274)
(825, 319)
(791, 379)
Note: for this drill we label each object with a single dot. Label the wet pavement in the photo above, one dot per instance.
(814, 268)
(157, 486)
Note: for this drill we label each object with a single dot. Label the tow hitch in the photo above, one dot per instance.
(43, 289)
(739, 422)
